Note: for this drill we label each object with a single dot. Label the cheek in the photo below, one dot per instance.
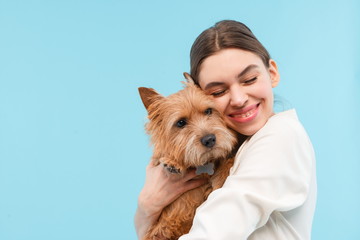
(220, 104)
(264, 91)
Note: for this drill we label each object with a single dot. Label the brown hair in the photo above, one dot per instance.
(224, 34)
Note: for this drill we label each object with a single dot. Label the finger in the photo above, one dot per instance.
(191, 184)
(150, 166)
(190, 175)
(173, 177)
(154, 167)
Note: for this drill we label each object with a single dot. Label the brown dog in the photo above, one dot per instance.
(187, 131)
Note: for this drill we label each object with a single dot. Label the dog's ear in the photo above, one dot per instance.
(189, 78)
(148, 96)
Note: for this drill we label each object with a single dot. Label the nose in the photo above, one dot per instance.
(238, 97)
(209, 140)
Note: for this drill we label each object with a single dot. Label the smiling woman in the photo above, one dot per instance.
(271, 190)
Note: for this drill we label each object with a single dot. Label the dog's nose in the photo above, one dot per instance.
(208, 140)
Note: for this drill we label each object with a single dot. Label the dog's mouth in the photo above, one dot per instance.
(210, 160)
(213, 154)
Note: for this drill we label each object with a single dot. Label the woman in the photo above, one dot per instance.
(271, 190)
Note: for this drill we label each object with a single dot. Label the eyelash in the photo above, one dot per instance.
(250, 80)
(218, 93)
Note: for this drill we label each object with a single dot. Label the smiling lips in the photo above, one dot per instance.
(246, 114)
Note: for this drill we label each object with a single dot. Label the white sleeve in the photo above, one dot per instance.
(272, 172)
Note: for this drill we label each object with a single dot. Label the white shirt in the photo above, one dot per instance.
(270, 193)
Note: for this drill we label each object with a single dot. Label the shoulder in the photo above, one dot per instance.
(282, 127)
(282, 141)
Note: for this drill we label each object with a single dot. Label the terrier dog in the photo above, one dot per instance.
(187, 131)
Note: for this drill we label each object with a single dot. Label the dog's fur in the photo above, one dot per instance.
(181, 126)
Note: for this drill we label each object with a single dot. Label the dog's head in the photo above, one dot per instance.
(186, 127)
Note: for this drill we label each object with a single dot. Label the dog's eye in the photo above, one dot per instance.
(208, 111)
(181, 123)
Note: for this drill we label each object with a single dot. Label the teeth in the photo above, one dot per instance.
(244, 115)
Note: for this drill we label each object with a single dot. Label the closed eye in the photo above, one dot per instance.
(218, 93)
(250, 81)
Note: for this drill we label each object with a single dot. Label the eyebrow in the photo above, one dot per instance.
(247, 69)
(243, 72)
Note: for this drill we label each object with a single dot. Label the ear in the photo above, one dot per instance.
(274, 73)
(148, 96)
(188, 78)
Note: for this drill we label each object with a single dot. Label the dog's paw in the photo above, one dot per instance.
(171, 169)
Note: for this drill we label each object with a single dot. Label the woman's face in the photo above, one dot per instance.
(241, 86)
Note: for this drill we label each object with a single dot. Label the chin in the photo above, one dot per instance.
(248, 131)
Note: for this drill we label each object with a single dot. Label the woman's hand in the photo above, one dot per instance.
(161, 188)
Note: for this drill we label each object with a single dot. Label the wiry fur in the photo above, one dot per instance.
(181, 148)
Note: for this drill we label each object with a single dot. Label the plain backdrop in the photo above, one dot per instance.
(73, 149)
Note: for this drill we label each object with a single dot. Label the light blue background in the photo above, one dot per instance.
(72, 146)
